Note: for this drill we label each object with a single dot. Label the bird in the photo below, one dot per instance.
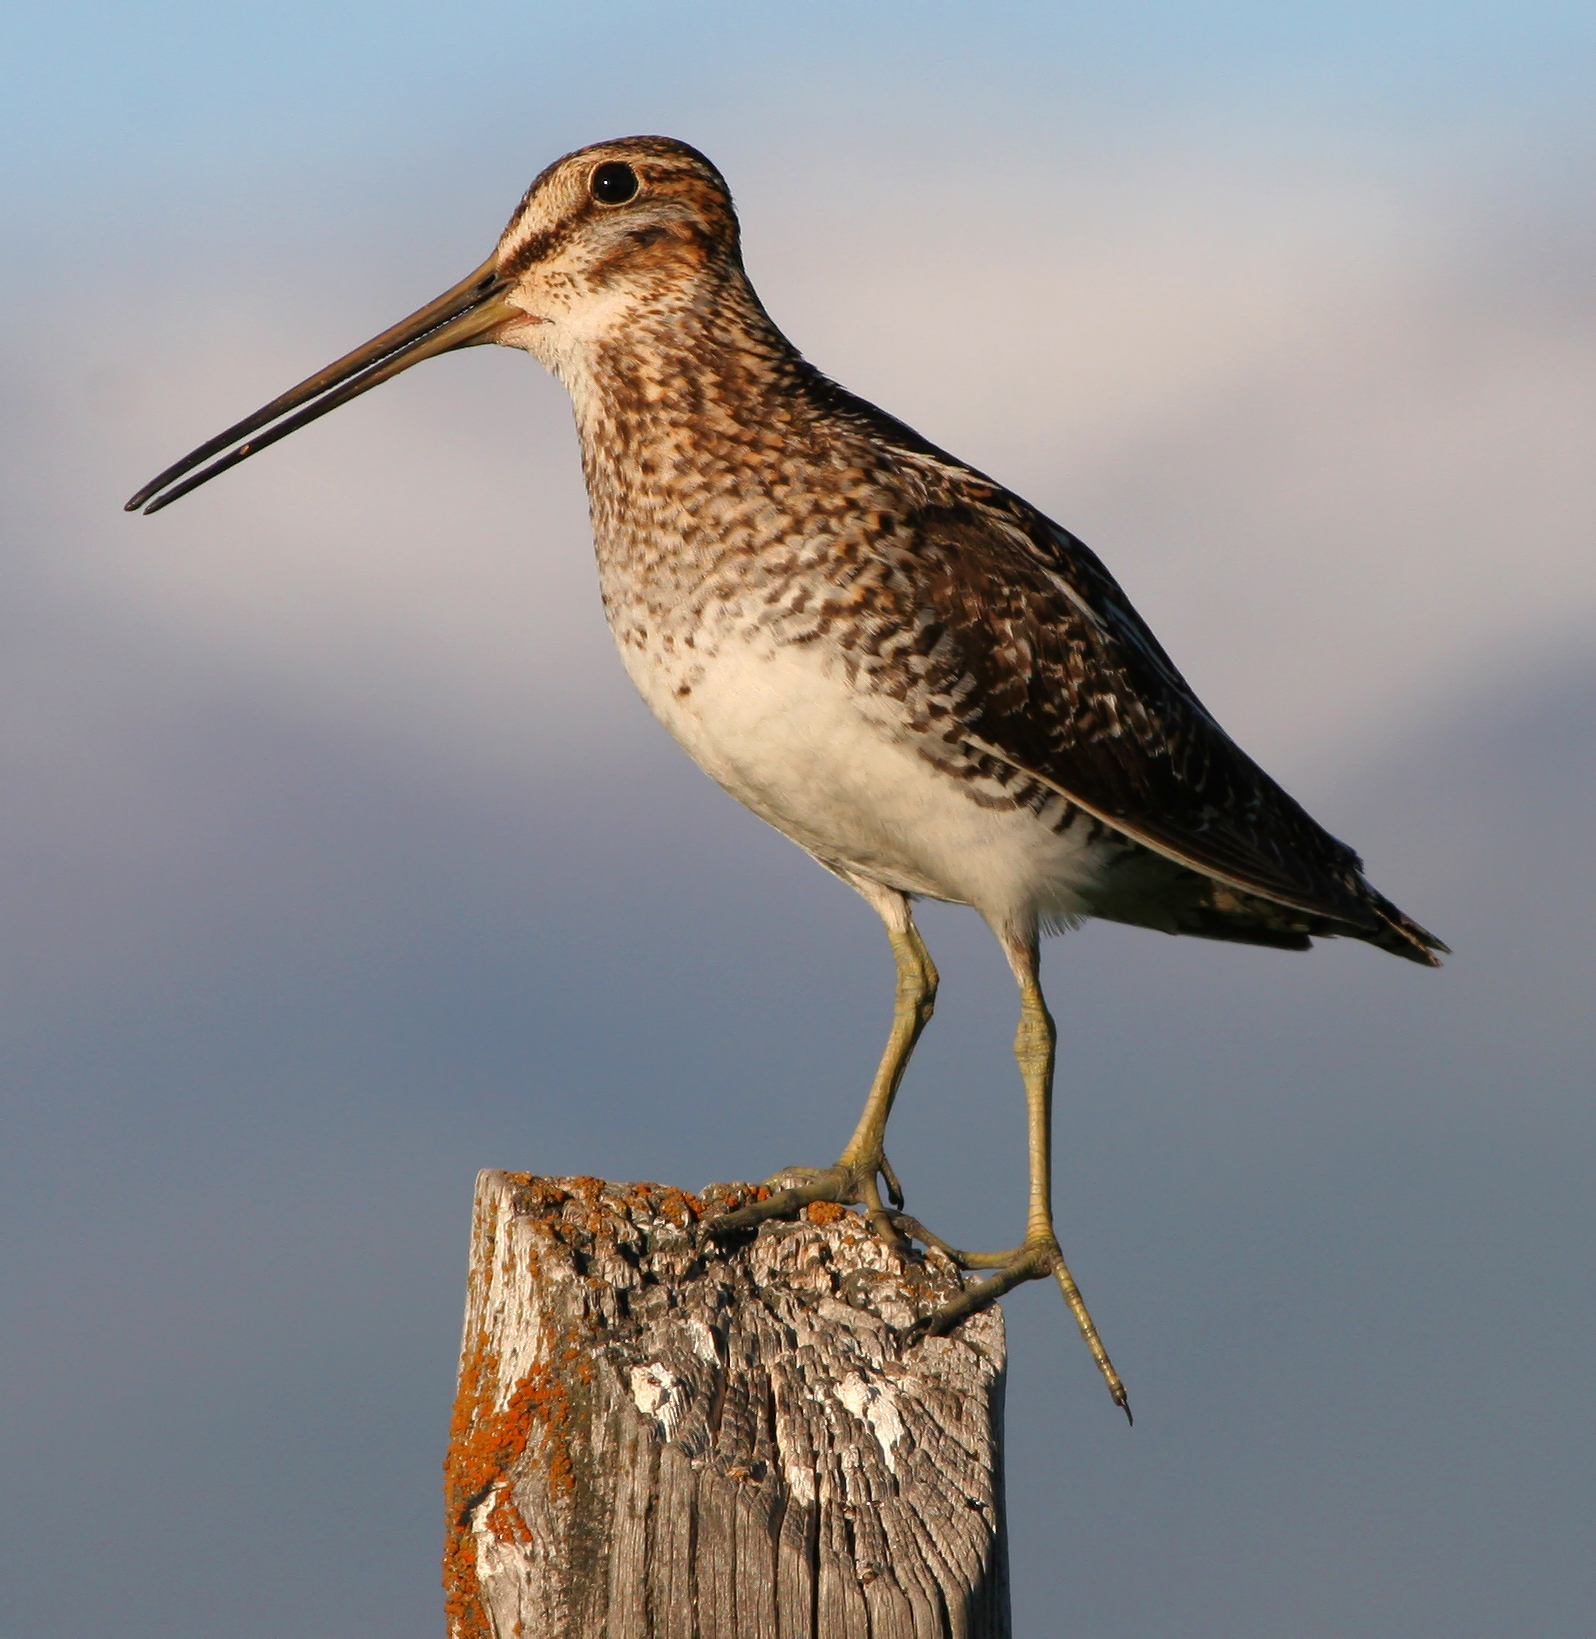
(909, 671)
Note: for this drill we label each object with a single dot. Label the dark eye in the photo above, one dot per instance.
(614, 184)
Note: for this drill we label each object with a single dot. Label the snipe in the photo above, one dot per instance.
(903, 667)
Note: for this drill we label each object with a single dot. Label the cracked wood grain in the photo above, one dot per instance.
(656, 1437)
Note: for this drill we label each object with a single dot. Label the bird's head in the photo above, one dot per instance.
(623, 231)
(612, 234)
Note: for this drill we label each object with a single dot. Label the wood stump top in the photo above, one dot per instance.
(659, 1437)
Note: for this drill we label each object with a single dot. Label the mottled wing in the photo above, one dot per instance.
(1054, 671)
(1029, 657)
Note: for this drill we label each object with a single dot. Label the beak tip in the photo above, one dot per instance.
(458, 318)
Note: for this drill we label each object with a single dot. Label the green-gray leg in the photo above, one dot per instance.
(853, 1177)
(1035, 1043)
(863, 1160)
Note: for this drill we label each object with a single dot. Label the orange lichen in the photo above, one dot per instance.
(536, 1197)
(680, 1208)
(497, 1441)
(472, 1465)
(485, 1444)
(488, 1440)
(504, 1520)
(824, 1212)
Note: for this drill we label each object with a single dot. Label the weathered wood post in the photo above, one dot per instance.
(658, 1438)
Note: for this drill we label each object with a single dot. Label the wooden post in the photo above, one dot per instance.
(658, 1438)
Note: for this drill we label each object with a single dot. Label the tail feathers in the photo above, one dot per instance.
(1402, 936)
(1222, 912)
(1148, 891)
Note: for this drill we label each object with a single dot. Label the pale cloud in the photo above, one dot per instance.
(339, 860)
(1325, 432)
(1328, 433)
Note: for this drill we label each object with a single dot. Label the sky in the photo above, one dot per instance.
(339, 860)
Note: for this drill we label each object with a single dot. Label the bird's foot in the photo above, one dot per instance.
(794, 1188)
(1038, 1258)
(858, 1181)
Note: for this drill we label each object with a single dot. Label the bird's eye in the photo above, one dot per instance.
(614, 184)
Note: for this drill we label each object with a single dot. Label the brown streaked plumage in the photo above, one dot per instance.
(902, 666)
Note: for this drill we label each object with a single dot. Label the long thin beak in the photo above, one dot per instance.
(462, 317)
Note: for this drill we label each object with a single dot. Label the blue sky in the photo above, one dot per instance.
(340, 861)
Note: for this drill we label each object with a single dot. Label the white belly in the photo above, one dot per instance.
(836, 771)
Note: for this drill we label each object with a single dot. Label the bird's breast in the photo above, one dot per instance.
(845, 769)
(774, 621)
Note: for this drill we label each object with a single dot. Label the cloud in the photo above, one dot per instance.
(338, 860)
(1325, 432)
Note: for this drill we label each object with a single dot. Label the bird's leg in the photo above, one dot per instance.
(864, 1158)
(853, 1176)
(1034, 1048)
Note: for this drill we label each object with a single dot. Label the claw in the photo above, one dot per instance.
(837, 1184)
(794, 1188)
(801, 1186)
(1033, 1261)
(894, 1188)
